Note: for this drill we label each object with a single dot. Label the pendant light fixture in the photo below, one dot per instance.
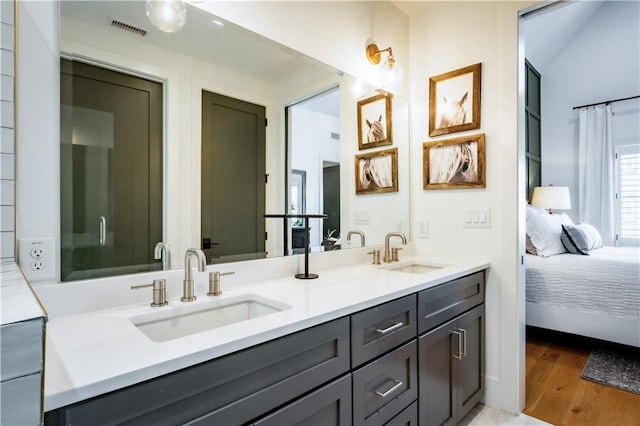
(167, 15)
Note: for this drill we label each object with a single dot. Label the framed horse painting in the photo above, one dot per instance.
(377, 172)
(456, 163)
(454, 101)
(374, 121)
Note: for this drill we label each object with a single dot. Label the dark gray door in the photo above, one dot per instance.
(331, 199)
(438, 376)
(233, 179)
(533, 132)
(110, 171)
(471, 366)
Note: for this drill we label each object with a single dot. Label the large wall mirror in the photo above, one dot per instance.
(309, 136)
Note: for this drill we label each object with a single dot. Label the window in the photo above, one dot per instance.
(627, 206)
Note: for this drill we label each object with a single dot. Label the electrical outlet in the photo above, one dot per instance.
(38, 265)
(36, 252)
(37, 258)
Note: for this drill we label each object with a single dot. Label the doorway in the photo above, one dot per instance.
(313, 151)
(233, 179)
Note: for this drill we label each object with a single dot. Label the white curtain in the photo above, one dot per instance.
(596, 186)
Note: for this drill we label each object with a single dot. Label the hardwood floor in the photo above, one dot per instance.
(557, 394)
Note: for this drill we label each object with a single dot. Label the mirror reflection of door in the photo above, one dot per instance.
(314, 146)
(331, 205)
(110, 171)
(233, 179)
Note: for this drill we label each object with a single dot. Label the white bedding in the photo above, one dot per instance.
(606, 282)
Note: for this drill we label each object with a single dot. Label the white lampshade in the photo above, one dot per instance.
(551, 197)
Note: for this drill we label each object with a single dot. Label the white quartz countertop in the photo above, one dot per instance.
(17, 301)
(90, 353)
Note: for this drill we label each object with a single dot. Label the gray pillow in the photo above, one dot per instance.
(580, 239)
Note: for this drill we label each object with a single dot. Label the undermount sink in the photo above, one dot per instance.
(415, 268)
(172, 323)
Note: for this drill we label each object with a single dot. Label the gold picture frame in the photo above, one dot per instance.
(375, 121)
(377, 172)
(455, 100)
(455, 163)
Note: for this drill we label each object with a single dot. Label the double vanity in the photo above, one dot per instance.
(367, 344)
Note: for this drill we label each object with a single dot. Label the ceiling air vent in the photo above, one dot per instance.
(127, 27)
(335, 136)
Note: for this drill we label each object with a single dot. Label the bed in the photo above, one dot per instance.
(596, 295)
(591, 291)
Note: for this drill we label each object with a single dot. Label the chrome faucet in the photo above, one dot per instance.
(163, 251)
(350, 233)
(187, 284)
(387, 250)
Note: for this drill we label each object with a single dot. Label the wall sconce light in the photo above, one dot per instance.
(374, 55)
(167, 15)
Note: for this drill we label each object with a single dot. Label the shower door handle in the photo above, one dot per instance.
(103, 231)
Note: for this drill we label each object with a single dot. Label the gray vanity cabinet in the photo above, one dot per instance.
(234, 389)
(21, 352)
(416, 358)
(451, 355)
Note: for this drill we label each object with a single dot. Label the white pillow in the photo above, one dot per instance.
(545, 230)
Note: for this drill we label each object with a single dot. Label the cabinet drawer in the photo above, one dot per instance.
(407, 417)
(21, 346)
(382, 328)
(386, 386)
(444, 302)
(329, 405)
(233, 389)
(20, 401)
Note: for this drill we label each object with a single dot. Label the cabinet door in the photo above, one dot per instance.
(329, 405)
(471, 366)
(438, 375)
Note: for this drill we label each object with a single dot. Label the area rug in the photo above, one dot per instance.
(615, 366)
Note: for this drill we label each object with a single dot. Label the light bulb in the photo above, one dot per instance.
(167, 15)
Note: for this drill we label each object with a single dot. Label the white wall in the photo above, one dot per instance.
(335, 33)
(37, 122)
(445, 36)
(600, 63)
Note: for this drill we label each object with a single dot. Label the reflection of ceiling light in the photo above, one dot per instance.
(167, 15)
(373, 55)
(218, 23)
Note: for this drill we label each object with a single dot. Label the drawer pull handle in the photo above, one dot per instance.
(390, 329)
(390, 390)
(459, 355)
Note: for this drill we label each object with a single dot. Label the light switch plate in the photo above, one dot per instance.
(476, 218)
(422, 229)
